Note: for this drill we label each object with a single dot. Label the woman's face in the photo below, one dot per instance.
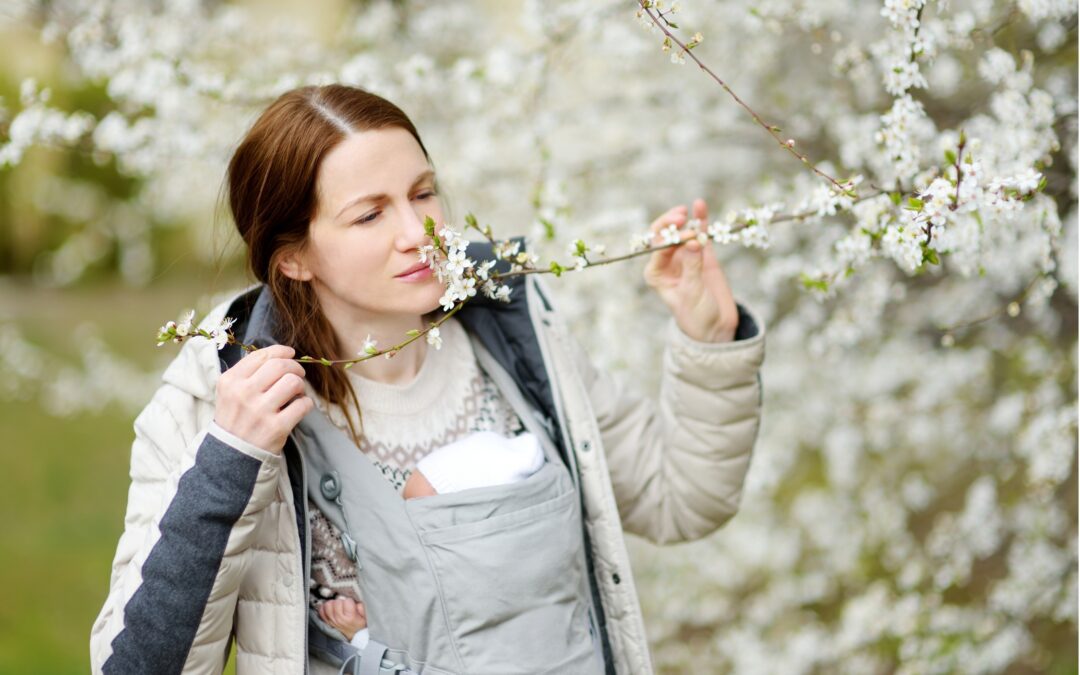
(374, 190)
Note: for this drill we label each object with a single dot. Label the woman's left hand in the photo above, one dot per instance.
(690, 281)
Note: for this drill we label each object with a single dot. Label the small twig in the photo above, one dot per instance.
(605, 261)
(1012, 308)
(392, 351)
(788, 145)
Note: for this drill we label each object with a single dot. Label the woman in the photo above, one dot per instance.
(250, 502)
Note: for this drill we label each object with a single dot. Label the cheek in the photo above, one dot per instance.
(353, 257)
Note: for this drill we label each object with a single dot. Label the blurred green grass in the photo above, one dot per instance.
(67, 487)
(67, 478)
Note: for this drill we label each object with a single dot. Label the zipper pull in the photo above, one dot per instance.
(350, 548)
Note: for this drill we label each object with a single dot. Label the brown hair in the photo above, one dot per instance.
(272, 195)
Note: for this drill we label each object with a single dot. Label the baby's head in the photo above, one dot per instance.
(481, 459)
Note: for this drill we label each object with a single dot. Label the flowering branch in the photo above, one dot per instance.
(463, 277)
(178, 331)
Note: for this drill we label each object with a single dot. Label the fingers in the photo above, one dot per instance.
(660, 260)
(284, 390)
(679, 216)
(272, 370)
(677, 261)
(676, 215)
(291, 415)
(701, 210)
(250, 363)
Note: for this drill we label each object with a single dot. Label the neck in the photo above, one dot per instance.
(351, 330)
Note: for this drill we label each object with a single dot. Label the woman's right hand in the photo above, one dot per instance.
(252, 397)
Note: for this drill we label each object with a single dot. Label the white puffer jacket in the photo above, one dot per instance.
(211, 549)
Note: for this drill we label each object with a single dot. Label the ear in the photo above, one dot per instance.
(292, 264)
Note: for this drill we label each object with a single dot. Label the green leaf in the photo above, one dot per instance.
(950, 157)
(326, 362)
(895, 197)
(1042, 185)
(429, 226)
(557, 269)
(470, 220)
(412, 333)
(810, 282)
(931, 256)
(914, 203)
(549, 229)
(672, 24)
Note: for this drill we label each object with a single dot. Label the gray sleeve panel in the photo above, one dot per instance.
(162, 617)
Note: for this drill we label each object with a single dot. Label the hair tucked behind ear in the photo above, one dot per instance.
(272, 195)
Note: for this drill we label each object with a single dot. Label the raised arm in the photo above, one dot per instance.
(677, 464)
(196, 496)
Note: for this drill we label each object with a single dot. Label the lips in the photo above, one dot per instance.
(415, 268)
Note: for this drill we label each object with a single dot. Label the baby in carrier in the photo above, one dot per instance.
(484, 458)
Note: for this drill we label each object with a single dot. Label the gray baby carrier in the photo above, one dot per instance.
(487, 580)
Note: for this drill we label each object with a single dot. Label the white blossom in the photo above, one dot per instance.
(219, 334)
(433, 338)
(670, 234)
(370, 346)
(184, 325)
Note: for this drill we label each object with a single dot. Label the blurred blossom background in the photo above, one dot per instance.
(912, 502)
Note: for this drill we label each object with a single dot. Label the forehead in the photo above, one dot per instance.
(368, 162)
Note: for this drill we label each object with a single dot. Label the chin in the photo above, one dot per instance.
(431, 303)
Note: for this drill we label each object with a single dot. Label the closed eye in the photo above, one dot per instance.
(375, 214)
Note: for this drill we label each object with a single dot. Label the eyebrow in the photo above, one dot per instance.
(383, 196)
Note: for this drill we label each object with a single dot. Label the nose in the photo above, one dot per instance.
(411, 234)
